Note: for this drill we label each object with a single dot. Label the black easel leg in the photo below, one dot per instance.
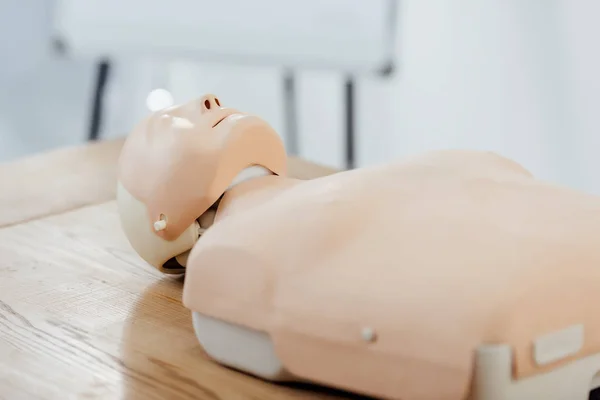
(291, 110)
(102, 74)
(349, 94)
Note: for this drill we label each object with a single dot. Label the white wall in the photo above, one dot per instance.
(512, 76)
(517, 77)
(44, 102)
(580, 30)
(474, 74)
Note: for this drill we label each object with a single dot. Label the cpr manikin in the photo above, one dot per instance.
(447, 276)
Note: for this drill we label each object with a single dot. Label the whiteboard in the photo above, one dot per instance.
(349, 35)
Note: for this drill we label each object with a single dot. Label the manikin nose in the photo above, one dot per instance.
(209, 102)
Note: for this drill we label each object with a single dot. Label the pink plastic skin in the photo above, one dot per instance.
(437, 255)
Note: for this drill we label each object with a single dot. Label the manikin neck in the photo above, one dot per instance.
(207, 219)
(245, 177)
(249, 173)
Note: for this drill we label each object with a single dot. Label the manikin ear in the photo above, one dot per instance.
(141, 234)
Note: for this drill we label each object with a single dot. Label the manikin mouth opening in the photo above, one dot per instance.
(219, 121)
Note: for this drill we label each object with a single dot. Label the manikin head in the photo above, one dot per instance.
(177, 163)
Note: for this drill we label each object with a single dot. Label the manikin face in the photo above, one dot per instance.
(177, 163)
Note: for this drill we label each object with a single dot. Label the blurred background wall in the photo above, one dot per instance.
(516, 77)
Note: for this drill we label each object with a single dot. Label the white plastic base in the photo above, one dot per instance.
(493, 380)
(253, 352)
(240, 348)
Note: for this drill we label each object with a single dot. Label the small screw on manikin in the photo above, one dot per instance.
(368, 334)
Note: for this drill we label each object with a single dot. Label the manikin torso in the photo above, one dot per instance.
(437, 255)
(431, 257)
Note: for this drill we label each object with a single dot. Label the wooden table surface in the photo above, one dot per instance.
(81, 315)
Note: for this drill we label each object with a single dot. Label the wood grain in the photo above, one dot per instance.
(73, 177)
(83, 317)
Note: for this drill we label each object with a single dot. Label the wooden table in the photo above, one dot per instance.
(81, 315)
